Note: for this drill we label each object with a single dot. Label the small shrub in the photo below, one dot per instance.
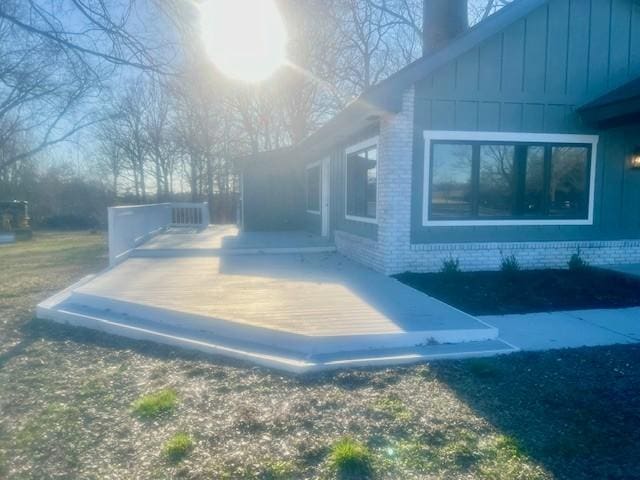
(510, 265)
(177, 447)
(156, 403)
(351, 459)
(577, 263)
(450, 266)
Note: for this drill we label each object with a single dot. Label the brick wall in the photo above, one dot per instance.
(395, 157)
(530, 255)
(361, 249)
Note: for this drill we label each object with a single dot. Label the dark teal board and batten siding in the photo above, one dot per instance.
(530, 78)
(337, 220)
(273, 195)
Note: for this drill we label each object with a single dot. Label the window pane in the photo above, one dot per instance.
(362, 183)
(534, 182)
(496, 189)
(568, 185)
(451, 181)
(313, 189)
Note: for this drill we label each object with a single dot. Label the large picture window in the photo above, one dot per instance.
(361, 183)
(480, 181)
(314, 178)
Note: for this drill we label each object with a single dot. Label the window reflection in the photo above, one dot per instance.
(568, 184)
(534, 182)
(451, 181)
(313, 189)
(362, 178)
(499, 180)
(496, 189)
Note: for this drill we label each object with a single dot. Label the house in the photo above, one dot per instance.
(518, 136)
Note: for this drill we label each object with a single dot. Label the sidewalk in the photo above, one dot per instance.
(579, 328)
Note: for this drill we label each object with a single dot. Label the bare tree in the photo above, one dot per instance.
(56, 57)
(41, 88)
(157, 128)
(366, 55)
(106, 30)
(481, 9)
(109, 154)
(128, 132)
(198, 120)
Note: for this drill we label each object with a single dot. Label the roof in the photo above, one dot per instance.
(266, 156)
(386, 96)
(614, 106)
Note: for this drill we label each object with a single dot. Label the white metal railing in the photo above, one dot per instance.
(130, 226)
(188, 214)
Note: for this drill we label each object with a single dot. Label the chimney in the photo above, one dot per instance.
(442, 21)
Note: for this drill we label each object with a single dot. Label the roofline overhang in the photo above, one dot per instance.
(386, 97)
(612, 114)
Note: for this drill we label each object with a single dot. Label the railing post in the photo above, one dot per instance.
(205, 215)
(111, 234)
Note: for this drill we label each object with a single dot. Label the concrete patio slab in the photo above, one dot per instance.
(543, 331)
(57, 309)
(282, 299)
(311, 302)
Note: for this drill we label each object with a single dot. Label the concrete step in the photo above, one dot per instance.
(59, 309)
(216, 252)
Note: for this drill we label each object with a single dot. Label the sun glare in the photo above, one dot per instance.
(245, 39)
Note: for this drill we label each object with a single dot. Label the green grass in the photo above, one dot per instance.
(279, 470)
(393, 406)
(177, 447)
(351, 459)
(155, 404)
(66, 398)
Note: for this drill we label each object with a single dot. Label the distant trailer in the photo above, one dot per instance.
(7, 238)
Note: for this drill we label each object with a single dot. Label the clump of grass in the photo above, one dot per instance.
(460, 452)
(177, 447)
(351, 459)
(394, 407)
(156, 403)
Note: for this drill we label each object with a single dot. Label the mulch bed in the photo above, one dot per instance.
(527, 291)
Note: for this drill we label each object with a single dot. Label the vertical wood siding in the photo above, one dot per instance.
(531, 77)
(337, 220)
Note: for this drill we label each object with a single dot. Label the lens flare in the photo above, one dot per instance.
(245, 39)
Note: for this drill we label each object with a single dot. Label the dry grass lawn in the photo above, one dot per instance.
(68, 401)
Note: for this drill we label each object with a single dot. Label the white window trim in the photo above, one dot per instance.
(368, 143)
(306, 186)
(433, 135)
